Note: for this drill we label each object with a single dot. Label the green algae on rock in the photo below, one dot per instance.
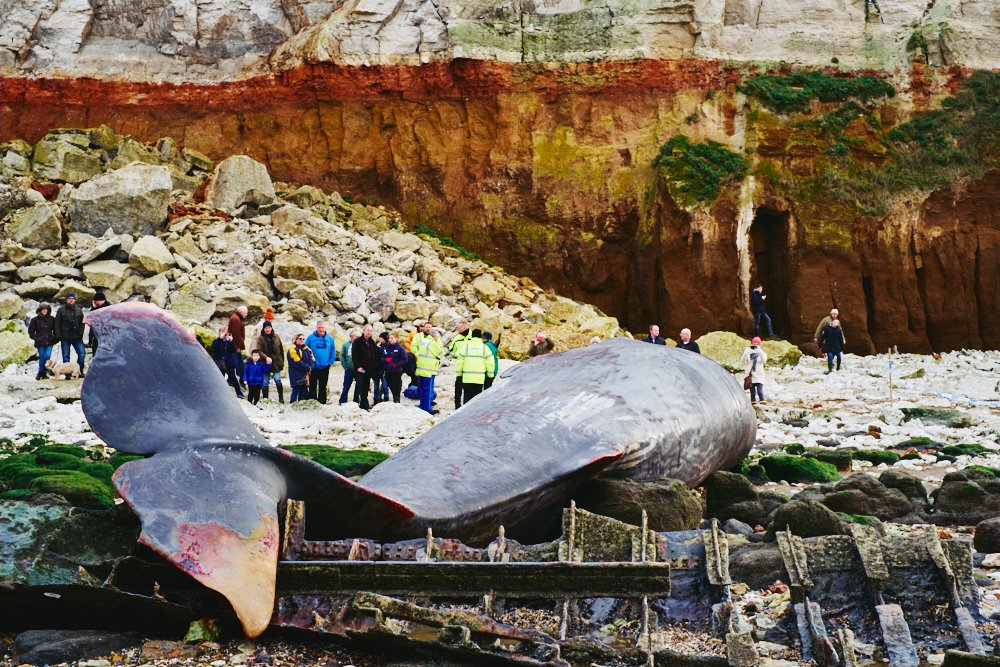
(799, 469)
(347, 462)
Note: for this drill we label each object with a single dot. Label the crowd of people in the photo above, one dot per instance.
(375, 366)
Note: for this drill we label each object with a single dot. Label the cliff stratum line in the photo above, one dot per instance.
(652, 157)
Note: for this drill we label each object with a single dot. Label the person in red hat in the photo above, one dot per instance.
(753, 361)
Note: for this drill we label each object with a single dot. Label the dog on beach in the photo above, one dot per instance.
(60, 370)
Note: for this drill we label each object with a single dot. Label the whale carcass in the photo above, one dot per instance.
(208, 493)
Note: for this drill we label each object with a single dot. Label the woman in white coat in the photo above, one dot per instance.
(753, 361)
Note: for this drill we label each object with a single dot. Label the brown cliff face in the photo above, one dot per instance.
(546, 169)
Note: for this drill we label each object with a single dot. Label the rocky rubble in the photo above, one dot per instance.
(168, 226)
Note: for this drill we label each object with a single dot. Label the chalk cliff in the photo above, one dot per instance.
(528, 132)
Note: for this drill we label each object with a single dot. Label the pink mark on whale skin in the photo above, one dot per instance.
(109, 321)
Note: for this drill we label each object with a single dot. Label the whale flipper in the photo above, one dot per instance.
(214, 514)
(152, 386)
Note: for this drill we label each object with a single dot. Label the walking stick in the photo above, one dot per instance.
(890, 377)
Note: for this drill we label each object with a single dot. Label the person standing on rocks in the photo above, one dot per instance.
(541, 345)
(100, 301)
(381, 386)
(42, 330)
(69, 330)
(300, 363)
(324, 349)
(428, 351)
(394, 358)
(834, 315)
(488, 340)
(237, 328)
(364, 353)
(455, 350)
(686, 342)
(411, 357)
(224, 354)
(654, 336)
(254, 374)
(475, 364)
(348, 364)
(753, 361)
(831, 341)
(758, 307)
(269, 343)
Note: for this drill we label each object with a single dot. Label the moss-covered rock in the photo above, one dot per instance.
(347, 462)
(724, 347)
(838, 458)
(668, 503)
(781, 353)
(64, 470)
(798, 469)
(876, 456)
(729, 495)
(944, 416)
(78, 488)
(965, 449)
(807, 518)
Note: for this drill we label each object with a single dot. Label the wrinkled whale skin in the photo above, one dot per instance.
(208, 495)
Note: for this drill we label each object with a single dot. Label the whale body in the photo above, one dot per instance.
(208, 493)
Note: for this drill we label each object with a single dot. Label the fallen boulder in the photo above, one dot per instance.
(132, 200)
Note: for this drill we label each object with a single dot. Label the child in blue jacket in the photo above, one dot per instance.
(254, 372)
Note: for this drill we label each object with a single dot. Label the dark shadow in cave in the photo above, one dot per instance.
(771, 265)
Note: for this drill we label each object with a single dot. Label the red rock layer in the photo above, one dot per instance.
(544, 169)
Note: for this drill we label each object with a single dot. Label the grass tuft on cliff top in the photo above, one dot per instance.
(696, 172)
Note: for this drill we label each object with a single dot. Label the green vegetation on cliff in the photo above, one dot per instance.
(697, 171)
(447, 241)
(861, 167)
(794, 92)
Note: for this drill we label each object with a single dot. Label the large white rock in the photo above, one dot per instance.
(192, 304)
(239, 180)
(15, 344)
(65, 155)
(106, 273)
(10, 305)
(132, 200)
(37, 226)
(149, 256)
(295, 265)
(156, 289)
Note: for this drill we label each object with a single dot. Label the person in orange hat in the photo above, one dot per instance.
(753, 361)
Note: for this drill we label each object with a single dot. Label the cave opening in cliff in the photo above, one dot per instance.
(771, 263)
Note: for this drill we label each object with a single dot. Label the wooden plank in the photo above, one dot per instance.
(552, 579)
(896, 635)
(867, 542)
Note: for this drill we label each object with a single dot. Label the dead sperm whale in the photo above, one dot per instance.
(208, 496)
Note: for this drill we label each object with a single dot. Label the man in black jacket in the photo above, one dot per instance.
(69, 330)
(686, 342)
(365, 355)
(100, 301)
(654, 336)
(759, 309)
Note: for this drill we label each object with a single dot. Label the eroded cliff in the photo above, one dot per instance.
(529, 133)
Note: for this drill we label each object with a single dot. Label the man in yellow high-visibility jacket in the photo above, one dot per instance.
(462, 334)
(428, 352)
(475, 364)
